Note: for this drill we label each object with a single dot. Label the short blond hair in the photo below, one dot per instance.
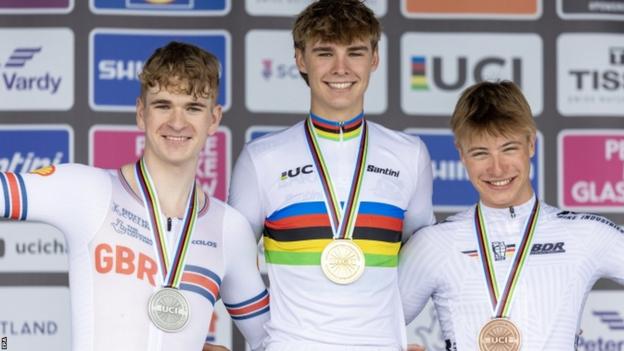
(182, 68)
(494, 109)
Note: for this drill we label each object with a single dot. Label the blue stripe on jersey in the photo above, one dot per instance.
(24, 197)
(196, 289)
(306, 208)
(5, 191)
(264, 310)
(258, 297)
(203, 271)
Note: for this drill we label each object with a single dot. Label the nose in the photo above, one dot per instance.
(177, 120)
(497, 166)
(340, 65)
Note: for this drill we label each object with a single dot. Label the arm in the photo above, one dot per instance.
(419, 212)
(245, 192)
(611, 251)
(418, 274)
(243, 290)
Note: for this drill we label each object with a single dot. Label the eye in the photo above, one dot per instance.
(161, 106)
(510, 149)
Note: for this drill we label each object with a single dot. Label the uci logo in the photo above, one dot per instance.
(291, 173)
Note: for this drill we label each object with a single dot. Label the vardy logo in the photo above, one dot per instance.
(19, 81)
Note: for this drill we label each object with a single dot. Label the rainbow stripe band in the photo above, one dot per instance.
(171, 271)
(501, 302)
(16, 198)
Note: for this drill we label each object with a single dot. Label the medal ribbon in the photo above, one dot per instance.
(501, 303)
(342, 222)
(171, 271)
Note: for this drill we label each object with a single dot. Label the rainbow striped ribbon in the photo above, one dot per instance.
(501, 303)
(343, 222)
(171, 271)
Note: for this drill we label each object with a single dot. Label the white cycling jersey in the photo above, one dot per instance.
(112, 264)
(276, 186)
(569, 253)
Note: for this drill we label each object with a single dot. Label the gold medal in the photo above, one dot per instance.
(342, 261)
(499, 334)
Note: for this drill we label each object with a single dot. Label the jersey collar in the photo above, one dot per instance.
(519, 211)
(337, 131)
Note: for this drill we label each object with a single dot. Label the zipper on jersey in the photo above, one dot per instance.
(168, 224)
(341, 125)
(512, 212)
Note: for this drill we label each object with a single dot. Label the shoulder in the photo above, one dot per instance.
(275, 141)
(397, 138)
(579, 220)
(444, 233)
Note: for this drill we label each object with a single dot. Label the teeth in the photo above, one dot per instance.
(340, 85)
(176, 138)
(500, 182)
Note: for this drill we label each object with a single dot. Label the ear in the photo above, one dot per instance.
(532, 140)
(140, 113)
(216, 115)
(300, 61)
(375, 61)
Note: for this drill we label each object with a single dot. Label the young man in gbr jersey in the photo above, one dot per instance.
(334, 195)
(149, 253)
(510, 273)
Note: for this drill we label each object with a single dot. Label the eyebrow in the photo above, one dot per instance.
(483, 148)
(160, 101)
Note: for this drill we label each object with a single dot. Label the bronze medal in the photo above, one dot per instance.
(499, 334)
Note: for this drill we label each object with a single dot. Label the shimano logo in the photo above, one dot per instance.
(119, 69)
(20, 56)
(387, 171)
(291, 173)
(547, 248)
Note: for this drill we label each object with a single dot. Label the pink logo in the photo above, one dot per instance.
(113, 146)
(591, 169)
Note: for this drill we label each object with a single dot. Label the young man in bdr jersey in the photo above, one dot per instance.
(511, 273)
(149, 252)
(334, 196)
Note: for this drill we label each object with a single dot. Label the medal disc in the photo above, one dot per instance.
(168, 310)
(342, 261)
(499, 334)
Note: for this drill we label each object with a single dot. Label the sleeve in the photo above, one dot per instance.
(611, 251)
(419, 212)
(245, 193)
(71, 197)
(242, 290)
(418, 276)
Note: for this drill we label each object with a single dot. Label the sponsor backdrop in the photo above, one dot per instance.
(68, 84)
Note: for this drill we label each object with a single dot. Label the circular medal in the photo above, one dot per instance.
(342, 261)
(499, 334)
(168, 310)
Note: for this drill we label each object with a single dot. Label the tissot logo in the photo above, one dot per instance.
(590, 84)
(291, 173)
(436, 67)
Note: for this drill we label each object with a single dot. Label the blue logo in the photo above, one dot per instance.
(612, 319)
(162, 7)
(117, 57)
(27, 148)
(452, 190)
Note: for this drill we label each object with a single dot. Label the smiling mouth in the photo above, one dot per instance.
(501, 182)
(340, 85)
(176, 138)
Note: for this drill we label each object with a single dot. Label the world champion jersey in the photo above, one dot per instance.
(568, 254)
(276, 186)
(112, 263)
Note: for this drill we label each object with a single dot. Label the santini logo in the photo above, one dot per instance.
(386, 171)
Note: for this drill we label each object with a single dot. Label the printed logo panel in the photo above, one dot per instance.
(116, 57)
(32, 247)
(161, 7)
(452, 190)
(35, 318)
(590, 84)
(591, 9)
(37, 69)
(294, 7)
(25, 148)
(491, 9)
(111, 147)
(603, 321)
(273, 83)
(591, 170)
(437, 67)
(35, 6)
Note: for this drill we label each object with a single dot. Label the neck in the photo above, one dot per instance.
(172, 183)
